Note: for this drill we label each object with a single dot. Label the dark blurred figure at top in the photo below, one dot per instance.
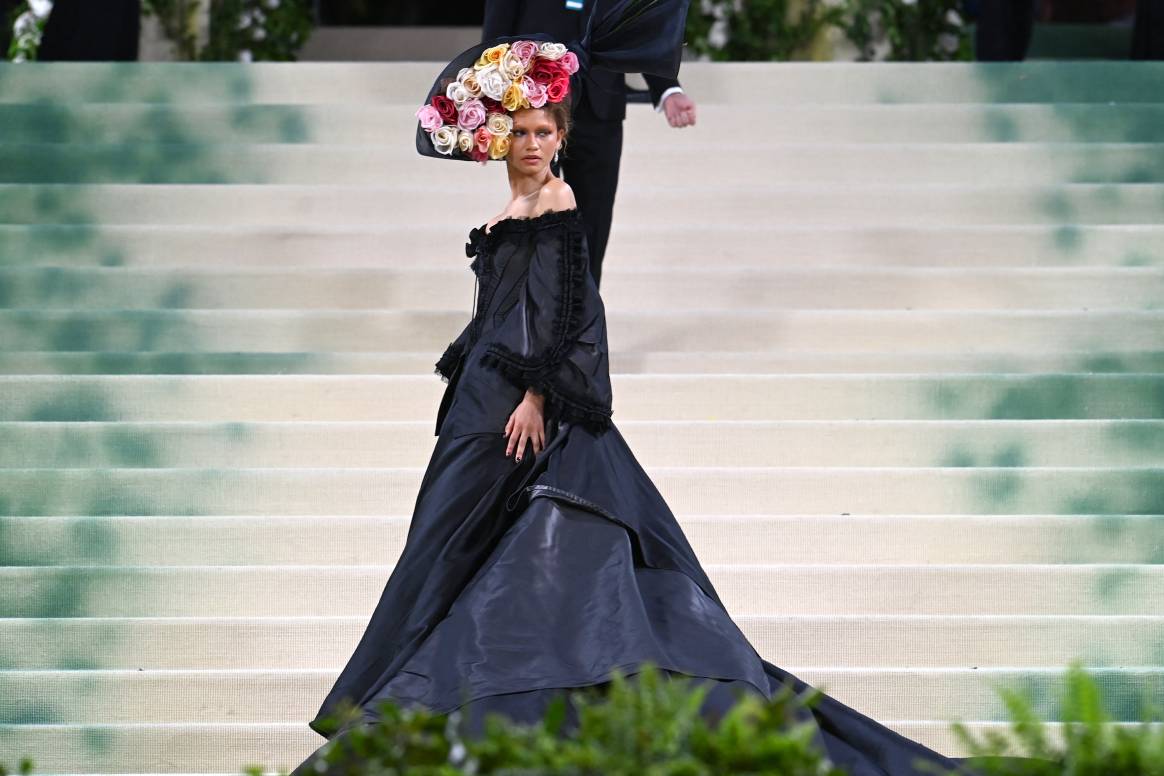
(91, 31)
(1004, 27)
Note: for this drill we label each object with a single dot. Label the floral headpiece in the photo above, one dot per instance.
(472, 119)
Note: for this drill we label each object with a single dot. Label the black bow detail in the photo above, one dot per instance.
(476, 237)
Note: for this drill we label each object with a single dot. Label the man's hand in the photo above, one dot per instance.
(680, 110)
(526, 424)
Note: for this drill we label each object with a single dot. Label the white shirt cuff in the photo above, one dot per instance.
(663, 97)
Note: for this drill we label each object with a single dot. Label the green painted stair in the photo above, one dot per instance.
(889, 339)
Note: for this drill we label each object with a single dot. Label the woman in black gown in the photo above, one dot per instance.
(540, 556)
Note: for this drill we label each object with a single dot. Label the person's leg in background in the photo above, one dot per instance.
(1148, 31)
(590, 165)
(1004, 30)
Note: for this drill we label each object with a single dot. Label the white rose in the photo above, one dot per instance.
(552, 50)
(444, 139)
(457, 92)
(493, 84)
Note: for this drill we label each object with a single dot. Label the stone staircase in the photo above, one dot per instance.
(889, 338)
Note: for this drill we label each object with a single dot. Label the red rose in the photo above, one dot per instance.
(478, 155)
(558, 89)
(546, 71)
(446, 107)
(492, 105)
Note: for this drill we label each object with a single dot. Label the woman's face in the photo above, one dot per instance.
(535, 139)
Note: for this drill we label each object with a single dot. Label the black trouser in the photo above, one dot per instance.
(1148, 33)
(1004, 30)
(590, 164)
(91, 31)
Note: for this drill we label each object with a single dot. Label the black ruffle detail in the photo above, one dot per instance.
(447, 364)
(539, 373)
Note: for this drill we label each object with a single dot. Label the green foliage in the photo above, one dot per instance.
(266, 30)
(26, 23)
(649, 726)
(907, 30)
(25, 768)
(246, 30)
(1091, 745)
(779, 30)
(757, 30)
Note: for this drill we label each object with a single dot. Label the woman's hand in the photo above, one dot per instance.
(527, 424)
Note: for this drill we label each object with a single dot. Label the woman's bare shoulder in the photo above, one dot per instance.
(557, 195)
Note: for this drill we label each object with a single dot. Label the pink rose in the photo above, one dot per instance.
(558, 89)
(569, 61)
(430, 118)
(524, 50)
(481, 140)
(471, 115)
(534, 92)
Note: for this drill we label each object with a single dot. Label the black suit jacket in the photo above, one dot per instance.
(604, 92)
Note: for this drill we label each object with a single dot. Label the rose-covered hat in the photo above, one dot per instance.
(468, 112)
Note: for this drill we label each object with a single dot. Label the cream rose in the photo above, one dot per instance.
(499, 124)
(444, 140)
(468, 79)
(552, 50)
(513, 67)
(493, 84)
(465, 140)
(499, 147)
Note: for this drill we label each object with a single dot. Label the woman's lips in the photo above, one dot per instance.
(531, 158)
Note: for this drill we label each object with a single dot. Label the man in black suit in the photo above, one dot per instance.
(594, 147)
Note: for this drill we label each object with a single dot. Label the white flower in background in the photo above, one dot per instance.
(717, 36)
(272, 4)
(909, 2)
(245, 56)
(954, 18)
(40, 7)
(948, 43)
(245, 20)
(26, 25)
(260, 17)
(259, 33)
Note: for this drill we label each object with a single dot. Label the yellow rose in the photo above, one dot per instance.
(499, 147)
(491, 56)
(514, 98)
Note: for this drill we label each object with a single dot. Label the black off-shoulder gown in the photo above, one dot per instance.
(520, 580)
